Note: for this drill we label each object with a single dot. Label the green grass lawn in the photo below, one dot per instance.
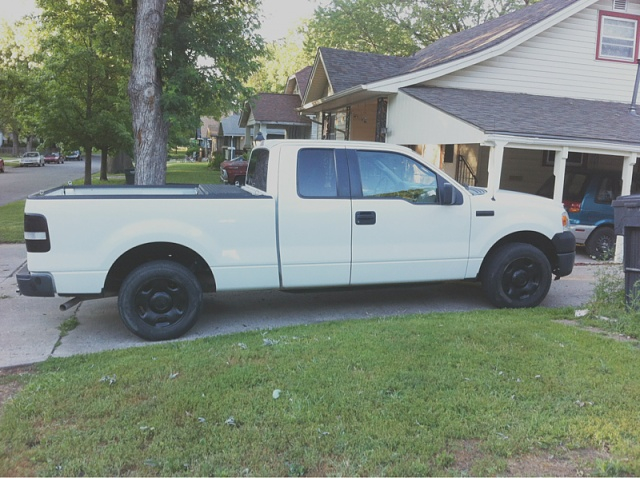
(478, 393)
(11, 215)
(12, 222)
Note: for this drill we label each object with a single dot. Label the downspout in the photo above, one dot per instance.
(634, 98)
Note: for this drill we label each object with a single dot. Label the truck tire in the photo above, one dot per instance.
(160, 300)
(516, 275)
(601, 244)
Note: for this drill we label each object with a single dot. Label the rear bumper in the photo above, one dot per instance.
(565, 246)
(35, 284)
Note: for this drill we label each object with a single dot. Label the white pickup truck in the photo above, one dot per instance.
(312, 214)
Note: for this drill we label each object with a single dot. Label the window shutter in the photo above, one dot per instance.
(620, 5)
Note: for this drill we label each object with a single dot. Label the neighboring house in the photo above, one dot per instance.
(231, 137)
(207, 134)
(276, 115)
(505, 104)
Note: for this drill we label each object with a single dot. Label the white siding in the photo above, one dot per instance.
(559, 62)
(413, 122)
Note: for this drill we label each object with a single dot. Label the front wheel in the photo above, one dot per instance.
(516, 275)
(601, 244)
(160, 300)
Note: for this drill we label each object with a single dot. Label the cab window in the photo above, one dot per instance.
(258, 169)
(393, 175)
(316, 173)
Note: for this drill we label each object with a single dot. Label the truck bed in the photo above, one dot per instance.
(208, 191)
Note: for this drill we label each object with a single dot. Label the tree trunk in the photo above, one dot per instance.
(88, 151)
(16, 143)
(103, 164)
(151, 131)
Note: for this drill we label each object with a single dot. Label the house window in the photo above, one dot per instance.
(617, 37)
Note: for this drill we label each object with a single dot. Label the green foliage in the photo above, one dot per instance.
(608, 308)
(397, 27)
(281, 60)
(440, 394)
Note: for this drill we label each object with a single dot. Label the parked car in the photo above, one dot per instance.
(234, 171)
(74, 156)
(587, 198)
(54, 158)
(32, 158)
(1, 165)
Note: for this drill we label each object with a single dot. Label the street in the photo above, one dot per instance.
(18, 183)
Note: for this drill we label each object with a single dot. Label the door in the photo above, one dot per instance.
(314, 219)
(401, 231)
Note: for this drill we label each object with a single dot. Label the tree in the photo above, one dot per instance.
(205, 53)
(18, 81)
(281, 60)
(84, 67)
(398, 27)
(150, 127)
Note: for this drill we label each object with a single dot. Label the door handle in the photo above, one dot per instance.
(365, 218)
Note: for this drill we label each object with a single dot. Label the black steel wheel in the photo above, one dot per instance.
(160, 300)
(601, 244)
(516, 275)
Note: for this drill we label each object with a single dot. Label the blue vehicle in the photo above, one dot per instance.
(587, 198)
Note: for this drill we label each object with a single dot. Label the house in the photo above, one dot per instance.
(506, 104)
(276, 115)
(231, 137)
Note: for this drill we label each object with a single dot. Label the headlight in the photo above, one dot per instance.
(565, 221)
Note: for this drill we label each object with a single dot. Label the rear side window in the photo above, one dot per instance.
(258, 168)
(316, 173)
(609, 189)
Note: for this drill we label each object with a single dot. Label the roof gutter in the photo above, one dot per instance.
(536, 142)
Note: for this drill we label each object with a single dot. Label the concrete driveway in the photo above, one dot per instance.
(30, 325)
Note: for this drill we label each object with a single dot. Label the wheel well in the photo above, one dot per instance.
(526, 237)
(158, 251)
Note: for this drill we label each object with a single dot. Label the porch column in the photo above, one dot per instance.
(496, 156)
(627, 177)
(559, 168)
(248, 137)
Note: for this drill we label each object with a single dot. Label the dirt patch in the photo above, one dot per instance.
(596, 330)
(559, 462)
(563, 463)
(11, 383)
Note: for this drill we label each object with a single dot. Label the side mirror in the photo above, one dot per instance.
(448, 196)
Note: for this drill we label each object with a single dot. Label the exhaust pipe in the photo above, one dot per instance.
(70, 303)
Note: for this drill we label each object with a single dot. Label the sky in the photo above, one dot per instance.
(279, 16)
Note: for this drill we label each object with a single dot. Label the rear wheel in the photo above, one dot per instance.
(601, 244)
(516, 275)
(160, 300)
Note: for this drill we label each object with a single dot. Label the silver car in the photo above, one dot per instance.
(32, 158)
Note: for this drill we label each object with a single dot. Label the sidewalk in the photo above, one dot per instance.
(29, 327)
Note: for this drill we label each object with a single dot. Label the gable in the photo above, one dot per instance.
(561, 61)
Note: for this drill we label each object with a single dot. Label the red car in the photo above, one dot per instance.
(54, 158)
(1, 165)
(234, 171)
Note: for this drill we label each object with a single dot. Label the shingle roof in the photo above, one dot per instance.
(535, 116)
(484, 36)
(302, 77)
(346, 69)
(277, 108)
(230, 126)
